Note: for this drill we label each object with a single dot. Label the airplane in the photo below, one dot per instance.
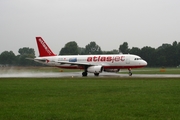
(88, 63)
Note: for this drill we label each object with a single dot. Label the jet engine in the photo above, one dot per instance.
(95, 69)
(111, 70)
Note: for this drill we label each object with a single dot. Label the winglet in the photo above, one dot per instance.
(43, 48)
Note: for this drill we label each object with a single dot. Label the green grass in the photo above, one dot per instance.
(89, 98)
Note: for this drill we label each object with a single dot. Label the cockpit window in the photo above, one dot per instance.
(138, 59)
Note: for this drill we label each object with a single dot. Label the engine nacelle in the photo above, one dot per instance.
(95, 69)
(111, 70)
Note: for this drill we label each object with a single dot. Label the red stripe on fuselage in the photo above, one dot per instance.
(105, 67)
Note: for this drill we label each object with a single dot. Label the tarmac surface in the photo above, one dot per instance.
(79, 74)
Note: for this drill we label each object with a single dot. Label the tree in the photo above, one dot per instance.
(81, 50)
(135, 50)
(71, 48)
(93, 48)
(164, 46)
(175, 43)
(124, 48)
(114, 51)
(168, 55)
(7, 58)
(26, 52)
(148, 54)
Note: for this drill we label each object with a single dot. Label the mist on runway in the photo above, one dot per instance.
(23, 72)
(12, 72)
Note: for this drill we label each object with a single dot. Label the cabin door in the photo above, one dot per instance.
(127, 60)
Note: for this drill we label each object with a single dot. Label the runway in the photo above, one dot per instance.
(79, 74)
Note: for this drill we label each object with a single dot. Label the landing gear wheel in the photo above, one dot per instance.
(130, 73)
(96, 74)
(84, 74)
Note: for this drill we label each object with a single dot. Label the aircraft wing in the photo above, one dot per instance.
(76, 63)
(35, 59)
(30, 58)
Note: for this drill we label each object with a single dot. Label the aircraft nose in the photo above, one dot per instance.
(144, 63)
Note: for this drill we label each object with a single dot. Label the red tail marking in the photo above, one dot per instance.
(43, 48)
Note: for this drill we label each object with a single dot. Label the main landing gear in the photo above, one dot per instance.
(84, 74)
(130, 73)
(96, 74)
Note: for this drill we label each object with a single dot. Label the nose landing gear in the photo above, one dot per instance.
(130, 73)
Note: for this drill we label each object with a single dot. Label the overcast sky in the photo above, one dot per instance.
(107, 22)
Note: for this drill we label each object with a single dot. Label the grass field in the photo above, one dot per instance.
(89, 98)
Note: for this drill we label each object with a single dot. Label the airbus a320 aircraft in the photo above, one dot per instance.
(89, 63)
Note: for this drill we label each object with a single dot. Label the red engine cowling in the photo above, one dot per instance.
(111, 70)
(95, 69)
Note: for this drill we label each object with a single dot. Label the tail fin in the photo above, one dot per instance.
(43, 48)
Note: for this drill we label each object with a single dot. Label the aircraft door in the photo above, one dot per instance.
(127, 60)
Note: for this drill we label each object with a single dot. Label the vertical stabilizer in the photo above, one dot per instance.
(43, 48)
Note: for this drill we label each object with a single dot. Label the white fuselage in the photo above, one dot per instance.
(118, 61)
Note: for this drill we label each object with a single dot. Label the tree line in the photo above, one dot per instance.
(8, 58)
(166, 55)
